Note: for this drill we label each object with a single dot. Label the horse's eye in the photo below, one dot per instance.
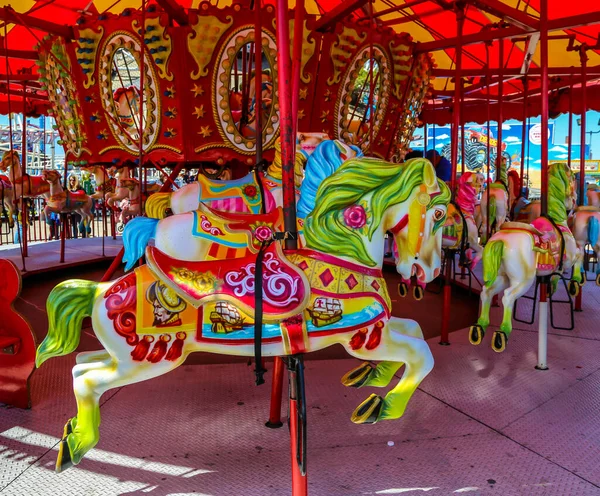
(438, 214)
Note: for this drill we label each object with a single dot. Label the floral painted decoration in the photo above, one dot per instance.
(262, 232)
(355, 216)
(250, 191)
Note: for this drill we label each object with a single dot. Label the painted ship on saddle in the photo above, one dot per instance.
(226, 318)
(325, 311)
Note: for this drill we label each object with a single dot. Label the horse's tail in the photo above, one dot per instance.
(157, 205)
(67, 305)
(136, 235)
(492, 258)
(593, 230)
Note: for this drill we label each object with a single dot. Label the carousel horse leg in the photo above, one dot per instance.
(396, 343)
(382, 373)
(508, 300)
(477, 331)
(90, 381)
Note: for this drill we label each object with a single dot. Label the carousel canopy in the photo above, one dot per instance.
(491, 28)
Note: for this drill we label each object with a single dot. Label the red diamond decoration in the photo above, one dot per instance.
(375, 285)
(303, 265)
(326, 277)
(351, 281)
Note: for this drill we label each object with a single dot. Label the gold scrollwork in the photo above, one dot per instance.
(202, 41)
(401, 59)
(308, 50)
(88, 42)
(158, 43)
(342, 50)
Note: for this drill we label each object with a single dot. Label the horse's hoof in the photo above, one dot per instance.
(402, 289)
(598, 280)
(476, 334)
(499, 341)
(418, 293)
(358, 376)
(63, 461)
(69, 426)
(573, 288)
(368, 411)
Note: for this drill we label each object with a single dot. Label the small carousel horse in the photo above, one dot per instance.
(120, 192)
(65, 201)
(151, 319)
(132, 207)
(519, 252)
(238, 195)
(104, 183)
(461, 215)
(498, 206)
(7, 199)
(24, 185)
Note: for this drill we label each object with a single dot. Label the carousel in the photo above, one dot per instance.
(248, 172)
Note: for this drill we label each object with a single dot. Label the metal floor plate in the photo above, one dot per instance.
(481, 424)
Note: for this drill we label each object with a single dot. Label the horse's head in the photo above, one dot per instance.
(367, 197)
(126, 101)
(51, 176)
(416, 223)
(10, 159)
(308, 142)
(130, 184)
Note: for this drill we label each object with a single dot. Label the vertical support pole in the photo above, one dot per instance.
(142, 95)
(570, 129)
(371, 83)
(523, 137)
(425, 130)
(25, 224)
(297, 62)
(274, 421)
(543, 328)
(543, 307)
(584, 58)
(500, 116)
(447, 297)
(288, 143)
(258, 80)
(299, 480)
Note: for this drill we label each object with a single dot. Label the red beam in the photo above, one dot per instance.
(19, 54)
(175, 11)
(512, 32)
(534, 71)
(331, 18)
(9, 15)
(398, 8)
(511, 15)
(414, 17)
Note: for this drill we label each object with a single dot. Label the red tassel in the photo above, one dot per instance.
(375, 337)
(176, 348)
(160, 349)
(141, 348)
(358, 339)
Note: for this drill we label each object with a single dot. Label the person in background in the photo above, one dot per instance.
(413, 154)
(74, 186)
(443, 167)
(53, 221)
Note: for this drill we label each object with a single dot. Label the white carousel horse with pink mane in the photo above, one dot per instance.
(151, 319)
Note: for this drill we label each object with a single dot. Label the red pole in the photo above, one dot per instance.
(142, 94)
(523, 136)
(584, 58)
(544, 96)
(288, 143)
(569, 147)
(444, 338)
(297, 63)
(23, 175)
(274, 421)
(500, 117)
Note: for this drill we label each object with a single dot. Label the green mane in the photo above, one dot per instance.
(559, 186)
(376, 185)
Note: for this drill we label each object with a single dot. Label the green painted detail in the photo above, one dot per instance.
(67, 305)
(492, 258)
(381, 184)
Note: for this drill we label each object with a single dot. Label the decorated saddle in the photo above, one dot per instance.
(70, 198)
(548, 241)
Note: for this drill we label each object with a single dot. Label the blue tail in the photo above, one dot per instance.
(593, 230)
(136, 235)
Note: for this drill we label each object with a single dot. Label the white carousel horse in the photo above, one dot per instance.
(151, 319)
(585, 225)
(519, 252)
(239, 195)
(132, 207)
(469, 187)
(65, 201)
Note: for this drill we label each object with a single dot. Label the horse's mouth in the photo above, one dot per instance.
(419, 273)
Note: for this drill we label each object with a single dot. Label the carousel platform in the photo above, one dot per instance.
(44, 256)
(481, 423)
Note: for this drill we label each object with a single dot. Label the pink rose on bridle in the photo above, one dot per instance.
(263, 233)
(355, 216)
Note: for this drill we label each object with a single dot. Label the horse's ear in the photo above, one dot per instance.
(429, 176)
